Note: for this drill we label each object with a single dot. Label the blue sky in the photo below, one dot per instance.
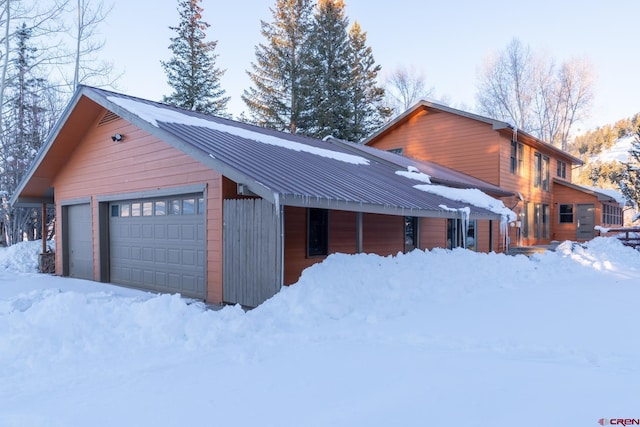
(446, 41)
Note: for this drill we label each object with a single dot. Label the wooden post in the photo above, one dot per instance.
(358, 232)
(44, 228)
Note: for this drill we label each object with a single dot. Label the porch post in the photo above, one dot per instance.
(44, 228)
(490, 235)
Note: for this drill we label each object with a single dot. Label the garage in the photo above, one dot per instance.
(159, 244)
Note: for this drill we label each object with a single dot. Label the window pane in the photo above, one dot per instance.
(545, 221)
(200, 205)
(175, 207)
(318, 232)
(161, 208)
(147, 209)
(566, 214)
(115, 210)
(537, 177)
(125, 209)
(136, 209)
(188, 206)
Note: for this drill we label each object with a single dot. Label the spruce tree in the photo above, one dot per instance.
(630, 183)
(192, 70)
(274, 98)
(328, 80)
(366, 97)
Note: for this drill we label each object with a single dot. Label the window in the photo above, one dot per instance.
(612, 214)
(318, 232)
(188, 206)
(455, 233)
(175, 207)
(541, 171)
(200, 205)
(541, 225)
(125, 209)
(147, 209)
(566, 214)
(410, 233)
(136, 209)
(517, 158)
(562, 169)
(161, 208)
(115, 210)
(526, 217)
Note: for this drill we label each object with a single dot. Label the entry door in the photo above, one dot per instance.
(586, 222)
(79, 241)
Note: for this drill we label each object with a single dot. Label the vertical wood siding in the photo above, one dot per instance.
(141, 162)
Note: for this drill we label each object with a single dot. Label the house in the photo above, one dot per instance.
(537, 174)
(159, 198)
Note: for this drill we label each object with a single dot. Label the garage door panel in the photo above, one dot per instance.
(163, 253)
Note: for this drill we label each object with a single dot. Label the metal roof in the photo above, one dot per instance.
(286, 169)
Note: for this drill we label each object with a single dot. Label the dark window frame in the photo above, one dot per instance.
(561, 171)
(317, 232)
(565, 213)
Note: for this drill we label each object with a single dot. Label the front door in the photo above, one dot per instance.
(586, 222)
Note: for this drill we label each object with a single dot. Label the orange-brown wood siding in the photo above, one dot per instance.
(566, 195)
(141, 162)
(433, 233)
(466, 145)
(475, 148)
(381, 234)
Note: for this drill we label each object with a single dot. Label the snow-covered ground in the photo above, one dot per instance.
(423, 339)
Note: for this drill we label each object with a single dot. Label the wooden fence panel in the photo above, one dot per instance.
(252, 255)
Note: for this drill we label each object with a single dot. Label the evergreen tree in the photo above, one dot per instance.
(25, 125)
(328, 81)
(630, 183)
(274, 99)
(192, 71)
(366, 103)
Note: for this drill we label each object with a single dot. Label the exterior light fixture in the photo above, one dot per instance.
(117, 137)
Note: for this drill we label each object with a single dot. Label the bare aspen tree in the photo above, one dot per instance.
(534, 94)
(404, 87)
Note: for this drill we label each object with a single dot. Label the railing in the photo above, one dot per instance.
(630, 236)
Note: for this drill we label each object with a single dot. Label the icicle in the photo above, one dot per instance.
(464, 219)
(276, 200)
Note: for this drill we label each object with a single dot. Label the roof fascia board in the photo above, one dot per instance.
(313, 202)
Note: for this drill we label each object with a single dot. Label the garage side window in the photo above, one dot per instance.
(317, 232)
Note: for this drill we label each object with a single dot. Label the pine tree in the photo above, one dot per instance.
(630, 183)
(274, 99)
(192, 70)
(328, 80)
(366, 103)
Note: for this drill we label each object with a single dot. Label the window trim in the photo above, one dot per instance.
(565, 217)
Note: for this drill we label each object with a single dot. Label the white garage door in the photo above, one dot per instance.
(159, 244)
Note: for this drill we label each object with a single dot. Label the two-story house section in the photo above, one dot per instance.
(498, 153)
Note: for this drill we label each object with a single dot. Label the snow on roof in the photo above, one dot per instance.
(413, 173)
(153, 114)
(616, 195)
(472, 196)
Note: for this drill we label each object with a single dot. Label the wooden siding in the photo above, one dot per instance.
(140, 162)
(433, 233)
(381, 234)
(566, 195)
(475, 148)
(462, 144)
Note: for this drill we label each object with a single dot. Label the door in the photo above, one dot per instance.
(586, 222)
(79, 241)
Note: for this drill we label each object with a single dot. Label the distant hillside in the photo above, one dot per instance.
(604, 150)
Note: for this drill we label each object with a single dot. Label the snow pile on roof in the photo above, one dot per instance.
(413, 173)
(616, 195)
(360, 340)
(153, 114)
(472, 196)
